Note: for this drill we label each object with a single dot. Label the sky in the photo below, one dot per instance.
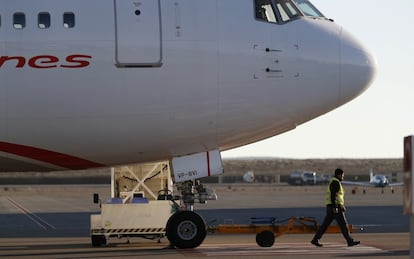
(374, 124)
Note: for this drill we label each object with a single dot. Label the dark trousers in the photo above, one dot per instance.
(340, 219)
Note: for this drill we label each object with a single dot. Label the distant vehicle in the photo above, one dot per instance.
(322, 179)
(302, 178)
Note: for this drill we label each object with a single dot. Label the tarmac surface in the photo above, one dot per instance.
(53, 222)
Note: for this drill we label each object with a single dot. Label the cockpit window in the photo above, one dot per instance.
(264, 11)
(308, 9)
(281, 11)
(276, 11)
(287, 10)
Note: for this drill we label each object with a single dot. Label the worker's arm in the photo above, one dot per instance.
(334, 187)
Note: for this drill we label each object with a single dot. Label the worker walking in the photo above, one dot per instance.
(335, 209)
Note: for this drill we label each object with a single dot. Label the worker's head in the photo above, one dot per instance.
(339, 173)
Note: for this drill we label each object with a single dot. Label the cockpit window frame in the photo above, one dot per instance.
(261, 11)
(316, 12)
(284, 11)
(289, 9)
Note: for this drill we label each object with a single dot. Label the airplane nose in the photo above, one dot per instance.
(358, 67)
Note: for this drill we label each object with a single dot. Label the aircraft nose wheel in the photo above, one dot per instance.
(186, 229)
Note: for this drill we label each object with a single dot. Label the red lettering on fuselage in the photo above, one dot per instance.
(47, 61)
(20, 60)
(44, 61)
(77, 61)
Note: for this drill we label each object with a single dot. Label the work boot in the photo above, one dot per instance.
(315, 242)
(353, 243)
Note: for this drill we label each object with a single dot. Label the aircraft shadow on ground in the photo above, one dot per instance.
(375, 219)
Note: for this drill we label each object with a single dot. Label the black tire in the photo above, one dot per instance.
(265, 239)
(186, 229)
(98, 240)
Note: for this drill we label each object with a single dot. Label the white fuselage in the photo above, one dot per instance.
(177, 77)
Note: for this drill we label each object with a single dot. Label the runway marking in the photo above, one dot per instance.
(36, 219)
(283, 248)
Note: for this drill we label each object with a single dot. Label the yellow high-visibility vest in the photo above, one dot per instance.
(339, 199)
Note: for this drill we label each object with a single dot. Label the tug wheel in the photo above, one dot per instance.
(265, 238)
(98, 240)
(186, 229)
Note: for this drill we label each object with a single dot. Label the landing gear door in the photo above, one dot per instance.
(197, 166)
(138, 33)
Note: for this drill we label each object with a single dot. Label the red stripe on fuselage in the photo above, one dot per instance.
(47, 156)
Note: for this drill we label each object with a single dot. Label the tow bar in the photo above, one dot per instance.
(267, 228)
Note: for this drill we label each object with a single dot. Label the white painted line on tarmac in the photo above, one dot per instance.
(285, 248)
(36, 219)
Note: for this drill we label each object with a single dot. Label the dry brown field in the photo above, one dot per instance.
(326, 166)
(262, 167)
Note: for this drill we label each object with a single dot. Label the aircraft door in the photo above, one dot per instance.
(138, 33)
